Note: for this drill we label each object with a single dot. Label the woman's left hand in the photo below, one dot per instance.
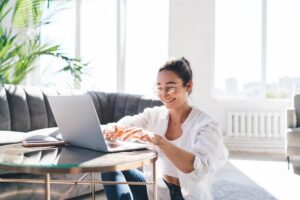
(152, 138)
(141, 134)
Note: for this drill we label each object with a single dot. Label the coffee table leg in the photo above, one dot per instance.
(47, 186)
(93, 185)
(154, 181)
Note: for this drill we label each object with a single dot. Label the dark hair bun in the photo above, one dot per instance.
(181, 67)
(186, 61)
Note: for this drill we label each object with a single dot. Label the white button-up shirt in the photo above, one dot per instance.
(201, 136)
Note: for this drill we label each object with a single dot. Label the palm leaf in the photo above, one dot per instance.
(18, 58)
(3, 10)
(27, 13)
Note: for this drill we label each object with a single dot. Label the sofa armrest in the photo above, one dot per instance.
(290, 118)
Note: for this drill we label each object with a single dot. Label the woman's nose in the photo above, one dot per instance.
(165, 94)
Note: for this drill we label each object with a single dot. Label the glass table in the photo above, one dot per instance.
(72, 160)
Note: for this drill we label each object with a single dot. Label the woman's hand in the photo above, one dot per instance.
(117, 132)
(113, 132)
(152, 138)
(141, 135)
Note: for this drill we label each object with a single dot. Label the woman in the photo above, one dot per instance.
(188, 141)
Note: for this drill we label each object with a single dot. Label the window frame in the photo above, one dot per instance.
(263, 79)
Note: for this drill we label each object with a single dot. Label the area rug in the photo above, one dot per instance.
(232, 184)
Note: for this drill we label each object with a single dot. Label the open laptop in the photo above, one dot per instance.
(79, 125)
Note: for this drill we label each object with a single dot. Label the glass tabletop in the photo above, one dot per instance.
(69, 159)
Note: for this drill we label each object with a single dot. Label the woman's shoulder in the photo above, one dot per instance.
(202, 116)
(156, 110)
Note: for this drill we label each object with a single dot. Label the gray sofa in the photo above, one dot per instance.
(292, 139)
(25, 108)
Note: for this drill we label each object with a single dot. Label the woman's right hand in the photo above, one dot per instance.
(117, 132)
(112, 132)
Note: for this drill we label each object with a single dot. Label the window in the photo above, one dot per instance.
(283, 48)
(98, 31)
(256, 45)
(147, 43)
(60, 31)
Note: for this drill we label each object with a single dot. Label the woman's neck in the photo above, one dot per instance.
(180, 115)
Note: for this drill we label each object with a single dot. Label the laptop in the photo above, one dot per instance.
(79, 125)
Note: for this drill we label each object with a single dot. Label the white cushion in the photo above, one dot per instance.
(7, 137)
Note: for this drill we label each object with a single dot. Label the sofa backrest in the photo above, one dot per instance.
(26, 108)
(113, 106)
(297, 109)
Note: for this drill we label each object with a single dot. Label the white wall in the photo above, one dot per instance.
(192, 35)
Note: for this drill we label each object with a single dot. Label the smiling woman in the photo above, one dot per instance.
(189, 142)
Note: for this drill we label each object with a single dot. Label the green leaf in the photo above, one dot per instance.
(17, 59)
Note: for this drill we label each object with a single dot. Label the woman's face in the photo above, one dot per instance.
(171, 91)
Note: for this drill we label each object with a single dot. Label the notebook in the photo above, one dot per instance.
(79, 125)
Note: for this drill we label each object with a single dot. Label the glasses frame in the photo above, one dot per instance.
(171, 89)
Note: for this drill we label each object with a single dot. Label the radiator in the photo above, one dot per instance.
(265, 124)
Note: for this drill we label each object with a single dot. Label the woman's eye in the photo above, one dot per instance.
(170, 89)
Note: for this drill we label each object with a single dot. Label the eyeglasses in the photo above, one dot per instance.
(170, 89)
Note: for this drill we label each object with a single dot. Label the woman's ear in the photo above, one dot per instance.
(189, 86)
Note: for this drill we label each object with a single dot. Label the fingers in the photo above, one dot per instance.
(146, 136)
(131, 133)
(152, 138)
(110, 135)
(113, 132)
(117, 132)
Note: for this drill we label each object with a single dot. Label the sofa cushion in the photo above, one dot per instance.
(297, 109)
(18, 108)
(49, 92)
(4, 111)
(293, 137)
(37, 108)
(7, 137)
(101, 103)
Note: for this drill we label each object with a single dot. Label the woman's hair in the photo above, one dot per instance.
(181, 67)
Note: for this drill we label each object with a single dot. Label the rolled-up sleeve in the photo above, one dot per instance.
(210, 151)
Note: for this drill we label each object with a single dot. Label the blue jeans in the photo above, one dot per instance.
(124, 191)
(175, 191)
(132, 192)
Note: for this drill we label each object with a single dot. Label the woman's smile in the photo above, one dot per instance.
(169, 101)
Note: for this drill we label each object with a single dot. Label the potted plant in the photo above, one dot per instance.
(20, 52)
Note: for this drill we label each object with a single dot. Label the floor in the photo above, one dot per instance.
(271, 173)
(99, 196)
(268, 171)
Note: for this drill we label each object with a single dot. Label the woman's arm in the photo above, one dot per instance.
(207, 154)
(182, 159)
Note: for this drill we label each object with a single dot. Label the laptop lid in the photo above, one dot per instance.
(79, 125)
(77, 120)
